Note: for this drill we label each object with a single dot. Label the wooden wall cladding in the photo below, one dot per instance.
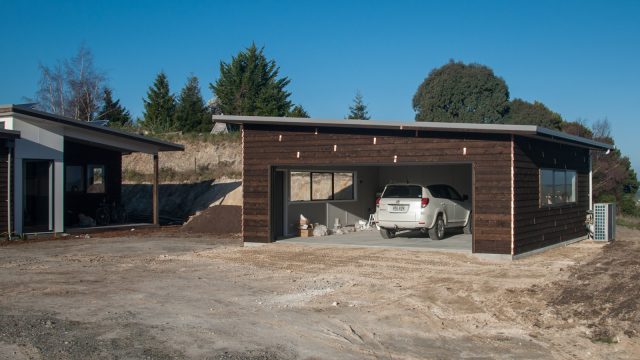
(265, 146)
(535, 226)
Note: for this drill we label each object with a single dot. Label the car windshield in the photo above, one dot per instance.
(402, 191)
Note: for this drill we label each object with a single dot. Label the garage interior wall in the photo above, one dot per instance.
(370, 182)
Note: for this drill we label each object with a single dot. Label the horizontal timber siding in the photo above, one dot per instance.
(265, 146)
(534, 226)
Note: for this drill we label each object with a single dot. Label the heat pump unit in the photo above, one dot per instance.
(604, 221)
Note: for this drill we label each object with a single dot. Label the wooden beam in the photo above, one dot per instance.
(154, 191)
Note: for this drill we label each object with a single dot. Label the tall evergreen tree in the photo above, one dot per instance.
(358, 111)
(298, 112)
(159, 106)
(249, 85)
(458, 92)
(192, 114)
(112, 110)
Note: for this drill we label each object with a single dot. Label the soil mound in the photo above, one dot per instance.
(604, 291)
(219, 219)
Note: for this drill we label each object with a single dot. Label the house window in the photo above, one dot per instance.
(321, 186)
(557, 187)
(74, 179)
(95, 179)
(300, 186)
(343, 186)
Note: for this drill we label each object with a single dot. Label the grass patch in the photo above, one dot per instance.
(606, 340)
(630, 222)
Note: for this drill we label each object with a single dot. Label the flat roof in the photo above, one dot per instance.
(9, 134)
(525, 130)
(161, 145)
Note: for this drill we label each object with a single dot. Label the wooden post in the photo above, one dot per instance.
(154, 191)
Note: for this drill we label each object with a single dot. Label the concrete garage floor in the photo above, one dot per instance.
(409, 240)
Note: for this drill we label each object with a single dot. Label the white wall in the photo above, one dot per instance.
(38, 143)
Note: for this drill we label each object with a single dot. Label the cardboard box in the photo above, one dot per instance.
(306, 232)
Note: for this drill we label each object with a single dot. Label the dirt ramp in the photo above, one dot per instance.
(219, 219)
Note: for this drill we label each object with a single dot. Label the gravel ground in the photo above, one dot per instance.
(169, 296)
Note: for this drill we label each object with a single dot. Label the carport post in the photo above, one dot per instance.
(154, 195)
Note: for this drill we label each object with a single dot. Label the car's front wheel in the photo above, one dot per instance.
(387, 233)
(437, 231)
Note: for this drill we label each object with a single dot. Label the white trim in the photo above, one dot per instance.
(243, 187)
(590, 182)
(512, 195)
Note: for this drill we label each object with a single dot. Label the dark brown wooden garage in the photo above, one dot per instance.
(530, 185)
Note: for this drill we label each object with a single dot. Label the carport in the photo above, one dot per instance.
(529, 186)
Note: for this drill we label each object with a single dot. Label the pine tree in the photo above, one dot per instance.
(192, 114)
(298, 112)
(358, 111)
(249, 85)
(112, 110)
(159, 106)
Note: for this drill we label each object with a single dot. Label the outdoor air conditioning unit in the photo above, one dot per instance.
(604, 221)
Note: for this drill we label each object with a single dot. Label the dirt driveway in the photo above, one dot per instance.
(172, 297)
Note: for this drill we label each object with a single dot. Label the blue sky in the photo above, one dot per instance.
(578, 57)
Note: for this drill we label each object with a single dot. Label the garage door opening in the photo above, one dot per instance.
(346, 196)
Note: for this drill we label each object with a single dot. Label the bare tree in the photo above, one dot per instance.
(72, 87)
(602, 130)
(52, 91)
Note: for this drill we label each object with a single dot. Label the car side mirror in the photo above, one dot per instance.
(465, 197)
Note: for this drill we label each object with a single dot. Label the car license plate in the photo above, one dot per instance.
(398, 208)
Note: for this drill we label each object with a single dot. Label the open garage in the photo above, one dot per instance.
(345, 196)
(528, 187)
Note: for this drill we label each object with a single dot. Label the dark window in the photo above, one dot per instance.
(438, 191)
(403, 191)
(453, 193)
(74, 178)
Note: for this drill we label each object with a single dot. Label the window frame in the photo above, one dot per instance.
(553, 176)
(88, 183)
(354, 196)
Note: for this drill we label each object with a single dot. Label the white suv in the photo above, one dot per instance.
(429, 209)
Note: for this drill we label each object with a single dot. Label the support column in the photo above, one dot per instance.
(154, 191)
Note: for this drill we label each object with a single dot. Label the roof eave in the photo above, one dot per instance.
(526, 130)
(161, 145)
